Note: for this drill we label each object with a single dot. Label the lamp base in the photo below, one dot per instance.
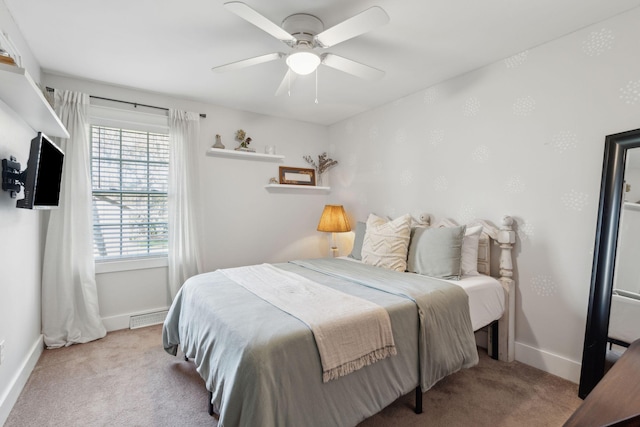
(334, 251)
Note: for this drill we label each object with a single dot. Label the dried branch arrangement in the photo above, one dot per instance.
(324, 163)
(241, 136)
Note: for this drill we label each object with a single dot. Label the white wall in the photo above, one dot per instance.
(525, 137)
(241, 223)
(20, 271)
(20, 252)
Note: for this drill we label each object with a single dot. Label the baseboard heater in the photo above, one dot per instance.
(147, 319)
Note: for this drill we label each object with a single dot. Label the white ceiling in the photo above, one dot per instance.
(169, 46)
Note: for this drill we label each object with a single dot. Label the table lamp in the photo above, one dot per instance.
(334, 220)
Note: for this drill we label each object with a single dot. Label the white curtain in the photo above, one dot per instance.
(70, 311)
(184, 250)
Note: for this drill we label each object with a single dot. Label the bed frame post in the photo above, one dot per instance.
(505, 238)
(493, 340)
(506, 329)
(418, 409)
(210, 406)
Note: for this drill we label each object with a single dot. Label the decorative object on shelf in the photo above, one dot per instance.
(49, 95)
(270, 149)
(241, 136)
(323, 165)
(9, 54)
(5, 58)
(297, 176)
(218, 143)
(334, 220)
(273, 180)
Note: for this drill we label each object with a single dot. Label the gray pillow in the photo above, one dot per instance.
(436, 252)
(356, 252)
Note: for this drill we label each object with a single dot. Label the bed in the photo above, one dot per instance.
(262, 366)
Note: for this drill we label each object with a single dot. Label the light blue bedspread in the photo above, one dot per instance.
(263, 367)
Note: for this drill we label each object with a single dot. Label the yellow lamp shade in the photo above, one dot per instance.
(334, 219)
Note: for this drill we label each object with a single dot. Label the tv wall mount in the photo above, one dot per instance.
(12, 178)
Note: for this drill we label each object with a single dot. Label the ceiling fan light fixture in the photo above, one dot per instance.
(303, 63)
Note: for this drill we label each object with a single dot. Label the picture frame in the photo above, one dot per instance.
(297, 176)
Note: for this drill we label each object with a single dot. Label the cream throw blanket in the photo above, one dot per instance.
(350, 332)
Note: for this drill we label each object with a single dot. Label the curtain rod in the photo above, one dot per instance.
(135, 104)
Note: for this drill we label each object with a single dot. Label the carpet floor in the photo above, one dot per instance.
(127, 379)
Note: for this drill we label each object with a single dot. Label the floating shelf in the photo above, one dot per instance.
(632, 206)
(287, 188)
(22, 95)
(247, 155)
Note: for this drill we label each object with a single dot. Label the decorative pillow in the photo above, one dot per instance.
(385, 242)
(470, 251)
(436, 252)
(356, 252)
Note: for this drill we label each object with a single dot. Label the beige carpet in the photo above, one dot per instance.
(126, 379)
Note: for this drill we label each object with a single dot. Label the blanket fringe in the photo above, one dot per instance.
(361, 362)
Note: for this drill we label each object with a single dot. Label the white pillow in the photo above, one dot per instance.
(470, 241)
(386, 242)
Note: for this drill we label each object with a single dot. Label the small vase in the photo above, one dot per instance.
(218, 143)
(319, 180)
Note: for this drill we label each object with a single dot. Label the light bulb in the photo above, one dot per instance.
(303, 63)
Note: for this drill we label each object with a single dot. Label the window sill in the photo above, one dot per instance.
(130, 264)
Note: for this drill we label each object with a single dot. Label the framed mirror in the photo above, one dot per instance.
(604, 257)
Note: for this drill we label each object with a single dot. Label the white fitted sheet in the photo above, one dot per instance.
(486, 297)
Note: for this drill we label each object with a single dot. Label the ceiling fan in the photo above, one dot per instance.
(305, 34)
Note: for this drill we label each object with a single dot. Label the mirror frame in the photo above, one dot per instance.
(604, 257)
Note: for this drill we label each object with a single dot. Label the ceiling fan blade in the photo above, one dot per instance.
(286, 82)
(359, 24)
(248, 62)
(255, 18)
(351, 67)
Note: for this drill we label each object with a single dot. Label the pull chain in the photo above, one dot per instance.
(316, 85)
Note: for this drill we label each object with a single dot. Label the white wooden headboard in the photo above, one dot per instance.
(505, 238)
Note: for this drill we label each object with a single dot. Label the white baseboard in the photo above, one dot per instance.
(12, 392)
(121, 321)
(548, 362)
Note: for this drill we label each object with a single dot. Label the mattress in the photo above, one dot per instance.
(486, 298)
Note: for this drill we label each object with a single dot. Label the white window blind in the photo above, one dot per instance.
(129, 178)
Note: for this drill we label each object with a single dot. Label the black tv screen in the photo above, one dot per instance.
(43, 175)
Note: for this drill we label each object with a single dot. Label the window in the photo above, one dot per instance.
(129, 171)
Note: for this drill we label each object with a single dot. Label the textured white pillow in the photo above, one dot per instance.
(385, 242)
(469, 261)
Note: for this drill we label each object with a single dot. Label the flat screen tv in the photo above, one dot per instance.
(43, 174)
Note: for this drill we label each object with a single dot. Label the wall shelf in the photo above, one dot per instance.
(233, 154)
(22, 95)
(632, 206)
(287, 188)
